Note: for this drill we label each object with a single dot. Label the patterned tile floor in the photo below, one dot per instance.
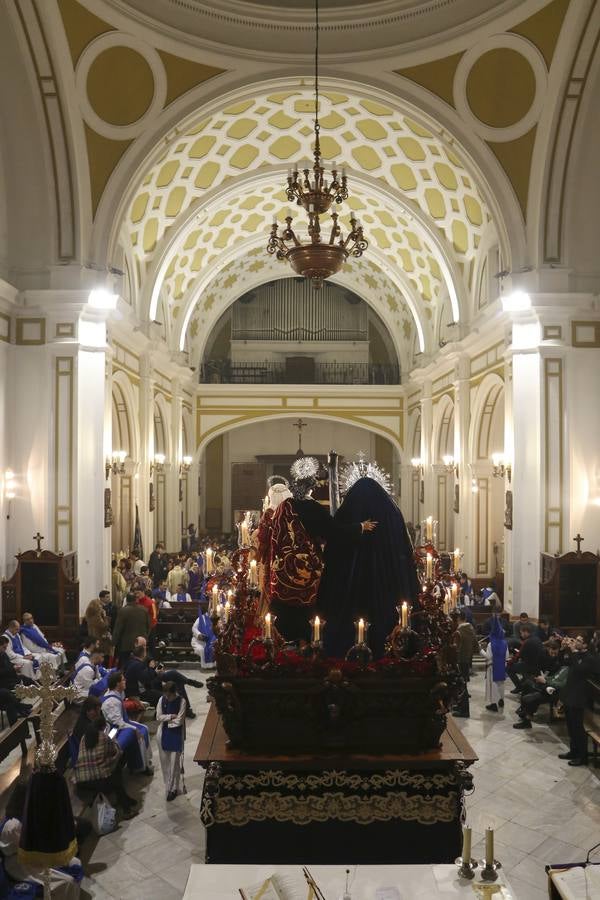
(542, 811)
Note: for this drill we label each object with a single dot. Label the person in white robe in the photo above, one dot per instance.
(496, 655)
(35, 641)
(25, 663)
(89, 673)
(203, 641)
(170, 737)
(132, 737)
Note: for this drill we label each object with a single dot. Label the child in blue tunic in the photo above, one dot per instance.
(170, 736)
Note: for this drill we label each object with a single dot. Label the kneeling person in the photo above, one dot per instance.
(132, 737)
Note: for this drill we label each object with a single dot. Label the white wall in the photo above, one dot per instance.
(583, 430)
(280, 437)
(321, 351)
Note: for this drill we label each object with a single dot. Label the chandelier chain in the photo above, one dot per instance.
(317, 126)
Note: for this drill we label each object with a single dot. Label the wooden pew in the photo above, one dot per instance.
(591, 720)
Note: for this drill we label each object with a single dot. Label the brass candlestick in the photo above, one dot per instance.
(489, 870)
(466, 867)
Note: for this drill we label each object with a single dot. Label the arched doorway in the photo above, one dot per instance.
(488, 484)
(123, 442)
(158, 488)
(444, 479)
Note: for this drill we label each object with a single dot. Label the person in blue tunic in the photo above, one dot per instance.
(370, 577)
(34, 640)
(170, 737)
(204, 640)
(132, 737)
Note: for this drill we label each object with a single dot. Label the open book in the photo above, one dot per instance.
(278, 887)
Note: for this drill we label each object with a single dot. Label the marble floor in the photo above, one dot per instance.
(542, 811)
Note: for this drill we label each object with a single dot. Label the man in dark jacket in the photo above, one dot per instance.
(132, 620)
(528, 665)
(157, 565)
(8, 680)
(583, 666)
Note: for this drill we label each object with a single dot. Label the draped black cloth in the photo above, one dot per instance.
(367, 578)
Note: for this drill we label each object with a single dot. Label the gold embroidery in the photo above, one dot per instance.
(391, 778)
(426, 810)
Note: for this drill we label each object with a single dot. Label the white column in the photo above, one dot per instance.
(91, 387)
(142, 484)
(526, 464)
(227, 524)
(462, 414)
(172, 476)
(428, 505)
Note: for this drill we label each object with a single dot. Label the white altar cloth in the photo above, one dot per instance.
(222, 882)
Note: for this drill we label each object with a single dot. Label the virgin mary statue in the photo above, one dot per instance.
(369, 578)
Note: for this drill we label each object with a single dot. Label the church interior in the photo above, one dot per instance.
(235, 236)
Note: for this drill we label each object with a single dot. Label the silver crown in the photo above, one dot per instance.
(305, 467)
(351, 472)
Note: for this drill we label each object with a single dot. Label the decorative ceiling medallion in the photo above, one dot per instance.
(143, 62)
(478, 62)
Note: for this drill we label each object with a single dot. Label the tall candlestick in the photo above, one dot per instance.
(429, 527)
(316, 627)
(466, 847)
(209, 561)
(456, 560)
(230, 596)
(361, 632)
(268, 626)
(454, 593)
(253, 576)
(226, 611)
(404, 620)
(429, 567)
(489, 846)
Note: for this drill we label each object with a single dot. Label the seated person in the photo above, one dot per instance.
(145, 678)
(90, 676)
(465, 590)
(98, 765)
(204, 640)
(34, 641)
(489, 597)
(162, 596)
(522, 622)
(25, 663)
(181, 595)
(88, 647)
(531, 655)
(543, 688)
(9, 679)
(132, 737)
(64, 882)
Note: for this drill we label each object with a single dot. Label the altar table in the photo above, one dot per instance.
(334, 807)
(367, 882)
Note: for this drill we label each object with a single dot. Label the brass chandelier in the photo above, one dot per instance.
(311, 190)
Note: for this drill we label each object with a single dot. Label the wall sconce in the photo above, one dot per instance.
(500, 467)
(116, 465)
(9, 490)
(184, 465)
(158, 463)
(451, 466)
(417, 463)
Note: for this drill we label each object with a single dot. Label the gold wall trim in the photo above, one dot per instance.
(63, 449)
(126, 350)
(552, 332)
(66, 230)
(131, 375)
(24, 325)
(5, 330)
(553, 222)
(482, 526)
(497, 369)
(585, 334)
(448, 392)
(553, 453)
(160, 390)
(64, 329)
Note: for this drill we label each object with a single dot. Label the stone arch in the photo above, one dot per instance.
(123, 393)
(484, 407)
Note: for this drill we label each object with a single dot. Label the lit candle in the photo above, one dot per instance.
(429, 567)
(429, 527)
(456, 560)
(466, 847)
(229, 596)
(361, 632)
(244, 533)
(316, 630)
(209, 560)
(454, 592)
(215, 598)
(268, 625)
(226, 611)
(405, 614)
(253, 573)
(489, 846)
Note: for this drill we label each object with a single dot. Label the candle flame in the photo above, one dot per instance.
(361, 621)
(317, 620)
(268, 618)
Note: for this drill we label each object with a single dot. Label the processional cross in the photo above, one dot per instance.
(578, 540)
(299, 424)
(38, 538)
(49, 693)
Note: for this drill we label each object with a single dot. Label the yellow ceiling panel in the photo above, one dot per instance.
(543, 27)
(184, 74)
(103, 156)
(81, 26)
(436, 76)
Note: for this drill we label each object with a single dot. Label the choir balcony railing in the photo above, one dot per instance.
(303, 370)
